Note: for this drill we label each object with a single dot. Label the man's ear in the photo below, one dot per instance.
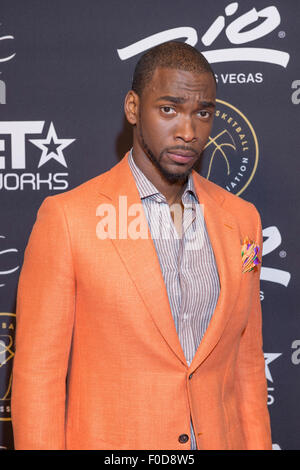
(131, 107)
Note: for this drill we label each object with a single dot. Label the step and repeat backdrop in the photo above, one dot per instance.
(65, 67)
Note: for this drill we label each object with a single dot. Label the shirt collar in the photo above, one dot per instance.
(147, 189)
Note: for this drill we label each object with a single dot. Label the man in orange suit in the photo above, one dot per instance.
(138, 311)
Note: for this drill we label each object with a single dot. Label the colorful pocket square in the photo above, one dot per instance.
(249, 255)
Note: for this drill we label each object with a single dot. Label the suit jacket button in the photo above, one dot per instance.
(183, 438)
(190, 376)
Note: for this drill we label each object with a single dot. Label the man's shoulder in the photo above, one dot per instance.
(84, 193)
(90, 186)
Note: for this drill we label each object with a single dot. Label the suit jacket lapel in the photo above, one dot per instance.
(139, 255)
(225, 240)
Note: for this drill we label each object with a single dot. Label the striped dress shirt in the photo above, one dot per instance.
(186, 259)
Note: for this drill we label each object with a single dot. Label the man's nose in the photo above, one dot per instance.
(185, 130)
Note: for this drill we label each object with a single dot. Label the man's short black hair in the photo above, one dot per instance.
(173, 55)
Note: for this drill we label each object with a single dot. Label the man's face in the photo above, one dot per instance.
(174, 120)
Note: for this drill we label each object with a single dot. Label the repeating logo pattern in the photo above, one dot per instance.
(247, 41)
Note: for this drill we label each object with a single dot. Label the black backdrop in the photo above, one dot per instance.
(65, 68)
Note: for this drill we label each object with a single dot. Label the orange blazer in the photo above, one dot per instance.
(98, 363)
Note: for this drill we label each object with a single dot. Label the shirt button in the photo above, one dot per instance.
(183, 438)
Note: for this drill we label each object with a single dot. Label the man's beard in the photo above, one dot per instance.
(170, 177)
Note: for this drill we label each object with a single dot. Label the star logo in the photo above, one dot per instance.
(52, 147)
(270, 357)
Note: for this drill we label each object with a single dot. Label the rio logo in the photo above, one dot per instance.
(246, 28)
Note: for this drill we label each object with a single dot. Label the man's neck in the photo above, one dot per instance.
(171, 191)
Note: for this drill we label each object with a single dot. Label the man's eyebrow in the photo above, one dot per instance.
(181, 100)
(173, 99)
(207, 104)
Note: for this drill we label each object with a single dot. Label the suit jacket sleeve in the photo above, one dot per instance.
(252, 385)
(45, 311)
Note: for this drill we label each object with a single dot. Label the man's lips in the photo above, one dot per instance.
(181, 156)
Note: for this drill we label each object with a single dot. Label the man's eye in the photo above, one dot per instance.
(204, 114)
(167, 110)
